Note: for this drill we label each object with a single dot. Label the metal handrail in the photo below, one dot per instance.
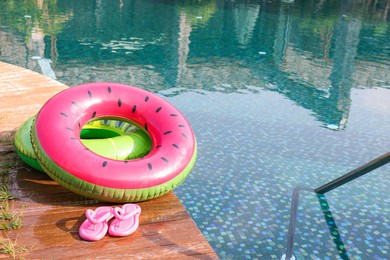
(356, 173)
(293, 222)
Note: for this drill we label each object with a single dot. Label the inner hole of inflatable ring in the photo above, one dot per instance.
(116, 138)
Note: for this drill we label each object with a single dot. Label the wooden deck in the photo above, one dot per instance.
(52, 215)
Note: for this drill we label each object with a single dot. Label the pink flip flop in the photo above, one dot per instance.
(96, 225)
(126, 220)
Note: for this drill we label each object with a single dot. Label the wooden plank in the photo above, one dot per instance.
(52, 215)
(22, 93)
(166, 231)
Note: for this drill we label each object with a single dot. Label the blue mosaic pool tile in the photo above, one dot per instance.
(239, 192)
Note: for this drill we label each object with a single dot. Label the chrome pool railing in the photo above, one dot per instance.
(356, 173)
(320, 191)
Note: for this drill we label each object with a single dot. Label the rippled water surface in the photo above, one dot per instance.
(280, 94)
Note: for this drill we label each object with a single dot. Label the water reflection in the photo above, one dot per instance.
(313, 53)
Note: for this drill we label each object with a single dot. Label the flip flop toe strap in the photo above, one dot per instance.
(121, 214)
(92, 216)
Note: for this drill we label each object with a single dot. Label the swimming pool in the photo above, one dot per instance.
(280, 95)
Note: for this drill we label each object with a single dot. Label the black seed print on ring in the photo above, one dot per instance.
(94, 114)
(184, 135)
(173, 115)
(167, 132)
(109, 89)
(70, 129)
(104, 164)
(119, 102)
(125, 162)
(89, 93)
(181, 126)
(164, 159)
(79, 125)
(134, 108)
(150, 166)
(158, 146)
(146, 126)
(86, 149)
(158, 109)
(74, 103)
(146, 99)
(73, 138)
(175, 145)
(65, 115)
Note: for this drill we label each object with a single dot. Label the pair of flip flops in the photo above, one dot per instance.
(96, 225)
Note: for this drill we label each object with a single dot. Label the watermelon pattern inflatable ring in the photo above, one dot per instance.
(55, 137)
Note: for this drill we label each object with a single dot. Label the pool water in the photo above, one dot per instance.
(280, 94)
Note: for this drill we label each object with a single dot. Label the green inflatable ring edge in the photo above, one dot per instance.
(23, 145)
(102, 193)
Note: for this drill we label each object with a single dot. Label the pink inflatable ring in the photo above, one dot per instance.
(56, 141)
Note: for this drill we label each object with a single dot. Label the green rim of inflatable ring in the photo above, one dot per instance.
(23, 146)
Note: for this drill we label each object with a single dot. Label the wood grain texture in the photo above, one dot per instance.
(22, 93)
(52, 215)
